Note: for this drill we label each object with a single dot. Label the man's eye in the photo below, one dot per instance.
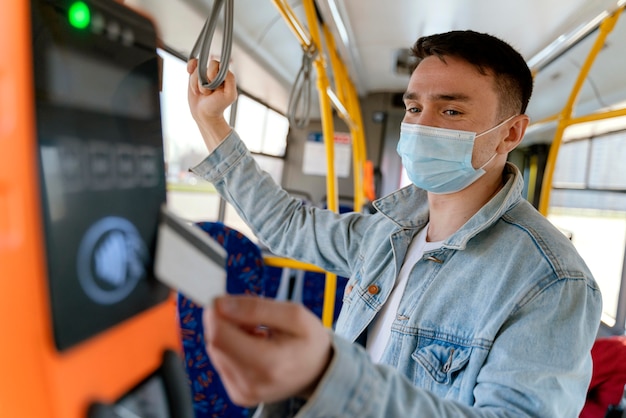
(451, 112)
(412, 109)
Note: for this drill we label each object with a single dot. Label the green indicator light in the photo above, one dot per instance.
(79, 15)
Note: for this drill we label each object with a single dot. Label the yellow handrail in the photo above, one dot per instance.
(565, 117)
(274, 261)
(598, 116)
(292, 21)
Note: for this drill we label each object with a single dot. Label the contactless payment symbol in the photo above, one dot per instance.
(111, 260)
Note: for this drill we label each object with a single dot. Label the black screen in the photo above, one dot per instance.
(101, 162)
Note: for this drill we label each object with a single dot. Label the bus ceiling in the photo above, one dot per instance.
(555, 37)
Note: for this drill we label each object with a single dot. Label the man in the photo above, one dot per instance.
(472, 304)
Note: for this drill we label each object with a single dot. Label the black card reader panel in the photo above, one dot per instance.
(100, 149)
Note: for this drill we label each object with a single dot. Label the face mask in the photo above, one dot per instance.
(440, 160)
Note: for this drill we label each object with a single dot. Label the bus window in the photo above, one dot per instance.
(263, 130)
(184, 146)
(187, 196)
(588, 202)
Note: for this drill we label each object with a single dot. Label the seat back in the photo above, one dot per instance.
(608, 377)
(313, 289)
(245, 275)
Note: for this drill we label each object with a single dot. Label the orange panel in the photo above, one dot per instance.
(105, 367)
(22, 290)
(36, 380)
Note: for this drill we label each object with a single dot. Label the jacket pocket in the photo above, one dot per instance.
(440, 367)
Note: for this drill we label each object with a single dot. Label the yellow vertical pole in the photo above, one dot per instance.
(311, 41)
(359, 142)
(565, 117)
(532, 178)
(347, 95)
(329, 142)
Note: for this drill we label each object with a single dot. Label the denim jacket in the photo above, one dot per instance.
(498, 322)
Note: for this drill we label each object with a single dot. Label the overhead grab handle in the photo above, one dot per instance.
(301, 92)
(202, 46)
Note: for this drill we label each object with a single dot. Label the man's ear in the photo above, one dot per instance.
(516, 134)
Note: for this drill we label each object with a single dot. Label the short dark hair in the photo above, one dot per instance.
(514, 81)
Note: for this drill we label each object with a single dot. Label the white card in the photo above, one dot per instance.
(189, 260)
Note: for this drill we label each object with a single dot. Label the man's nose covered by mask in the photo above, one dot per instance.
(440, 160)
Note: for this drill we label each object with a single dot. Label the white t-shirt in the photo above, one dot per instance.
(380, 329)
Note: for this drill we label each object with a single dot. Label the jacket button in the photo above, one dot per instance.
(373, 289)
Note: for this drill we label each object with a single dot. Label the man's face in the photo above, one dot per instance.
(454, 95)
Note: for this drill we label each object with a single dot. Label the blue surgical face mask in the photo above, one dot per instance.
(440, 160)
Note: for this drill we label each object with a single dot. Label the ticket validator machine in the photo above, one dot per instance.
(85, 329)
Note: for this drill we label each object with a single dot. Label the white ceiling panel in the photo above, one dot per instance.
(377, 29)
